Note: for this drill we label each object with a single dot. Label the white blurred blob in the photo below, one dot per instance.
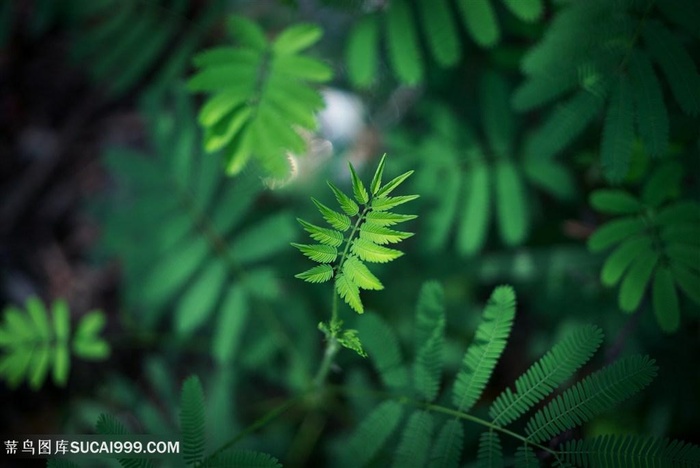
(342, 120)
(341, 124)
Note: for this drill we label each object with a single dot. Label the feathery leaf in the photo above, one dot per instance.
(192, 420)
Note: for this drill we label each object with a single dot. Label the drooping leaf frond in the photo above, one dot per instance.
(490, 453)
(372, 433)
(630, 451)
(543, 377)
(345, 251)
(192, 420)
(260, 93)
(38, 342)
(447, 448)
(526, 458)
(599, 392)
(414, 447)
(489, 342)
(383, 349)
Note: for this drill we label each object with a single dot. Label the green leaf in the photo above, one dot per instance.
(322, 235)
(513, 215)
(192, 420)
(242, 458)
(372, 433)
(599, 392)
(337, 220)
(615, 202)
(447, 448)
(247, 32)
(489, 342)
(358, 188)
(526, 458)
(382, 346)
(618, 133)
(543, 377)
(427, 369)
(386, 218)
(490, 453)
(382, 235)
(199, 299)
(687, 281)
(317, 274)
(480, 20)
(359, 274)
(440, 32)
(386, 203)
(349, 292)
(414, 446)
(622, 257)
(392, 184)
(650, 109)
(228, 333)
(526, 10)
(629, 451)
(679, 68)
(635, 283)
(613, 232)
(371, 252)
(345, 202)
(361, 53)
(403, 44)
(475, 218)
(665, 300)
(350, 340)
(376, 183)
(297, 38)
(318, 252)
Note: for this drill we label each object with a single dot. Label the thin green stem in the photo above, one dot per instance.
(332, 348)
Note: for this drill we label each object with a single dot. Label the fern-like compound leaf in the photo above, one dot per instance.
(447, 448)
(372, 433)
(414, 447)
(510, 204)
(192, 420)
(317, 274)
(490, 453)
(38, 342)
(389, 187)
(337, 220)
(440, 32)
(318, 252)
(376, 183)
(260, 91)
(526, 458)
(324, 236)
(622, 257)
(543, 377)
(427, 369)
(361, 53)
(489, 342)
(599, 392)
(109, 425)
(630, 451)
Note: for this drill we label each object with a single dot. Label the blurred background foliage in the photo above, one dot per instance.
(531, 125)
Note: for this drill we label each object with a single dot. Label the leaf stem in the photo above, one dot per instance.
(332, 348)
